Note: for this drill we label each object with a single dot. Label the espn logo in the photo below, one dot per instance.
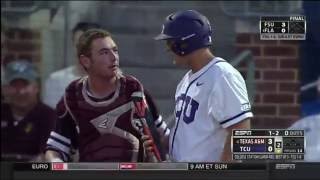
(59, 166)
(127, 166)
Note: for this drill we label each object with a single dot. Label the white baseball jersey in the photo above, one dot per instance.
(207, 102)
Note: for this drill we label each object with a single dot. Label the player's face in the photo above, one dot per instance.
(22, 93)
(104, 58)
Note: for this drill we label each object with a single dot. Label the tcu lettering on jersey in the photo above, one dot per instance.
(189, 108)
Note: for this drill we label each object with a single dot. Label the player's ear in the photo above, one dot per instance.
(85, 62)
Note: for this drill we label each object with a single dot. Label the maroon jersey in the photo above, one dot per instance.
(102, 130)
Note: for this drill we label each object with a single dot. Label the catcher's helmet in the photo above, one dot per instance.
(186, 31)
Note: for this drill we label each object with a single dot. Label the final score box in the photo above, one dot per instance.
(283, 27)
(268, 144)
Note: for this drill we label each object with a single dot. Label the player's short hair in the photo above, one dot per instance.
(85, 40)
(84, 26)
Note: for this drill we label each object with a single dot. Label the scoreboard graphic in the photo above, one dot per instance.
(283, 28)
(268, 144)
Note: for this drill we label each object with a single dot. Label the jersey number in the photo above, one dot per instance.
(189, 110)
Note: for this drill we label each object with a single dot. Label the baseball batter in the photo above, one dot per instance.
(211, 98)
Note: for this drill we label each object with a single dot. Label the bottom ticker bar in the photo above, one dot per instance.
(168, 171)
(137, 166)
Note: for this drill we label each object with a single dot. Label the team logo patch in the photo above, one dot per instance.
(104, 124)
(245, 107)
